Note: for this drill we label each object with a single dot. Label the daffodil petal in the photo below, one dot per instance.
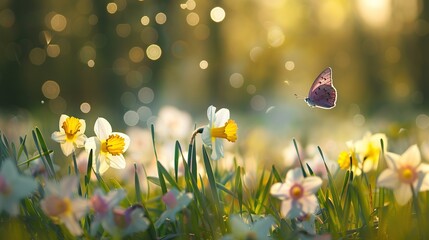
(411, 156)
(63, 118)
(72, 225)
(222, 116)
(67, 148)
(68, 185)
(82, 128)
(117, 162)
(102, 128)
(280, 190)
(311, 184)
(206, 136)
(391, 160)
(211, 114)
(294, 175)
(80, 140)
(309, 204)
(100, 164)
(93, 144)
(80, 207)
(388, 179)
(217, 149)
(285, 207)
(402, 194)
(59, 137)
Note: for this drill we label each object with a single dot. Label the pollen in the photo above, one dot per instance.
(296, 191)
(71, 126)
(228, 131)
(114, 145)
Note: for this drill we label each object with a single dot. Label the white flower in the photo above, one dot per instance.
(173, 124)
(71, 134)
(175, 201)
(220, 127)
(369, 149)
(108, 147)
(404, 172)
(61, 205)
(13, 187)
(297, 193)
(103, 207)
(260, 229)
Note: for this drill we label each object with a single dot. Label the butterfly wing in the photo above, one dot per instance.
(322, 93)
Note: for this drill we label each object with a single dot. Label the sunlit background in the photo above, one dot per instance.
(125, 60)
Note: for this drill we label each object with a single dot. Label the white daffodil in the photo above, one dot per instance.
(71, 134)
(241, 229)
(61, 205)
(297, 193)
(175, 201)
(103, 207)
(220, 127)
(108, 147)
(126, 221)
(403, 173)
(13, 187)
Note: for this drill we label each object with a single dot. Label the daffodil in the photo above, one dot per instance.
(108, 146)
(242, 230)
(175, 201)
(297, 193)
(126, 221)
(369, 149)
(220, 127)
(404, 173)
(13, 187)
(62, 206)
(349, 157)
(71, 134)
(103, 207)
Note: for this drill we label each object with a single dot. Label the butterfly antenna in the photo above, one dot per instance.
(298, 97)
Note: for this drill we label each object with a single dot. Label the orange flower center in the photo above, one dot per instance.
(57, 206)
(296, 191)
(71, 126)
(407, 174)
(114, 145)
(228, 131)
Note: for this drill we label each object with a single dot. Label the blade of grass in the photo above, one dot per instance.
(299, 158)
(46, 159)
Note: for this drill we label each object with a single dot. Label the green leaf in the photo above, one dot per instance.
(137, 185)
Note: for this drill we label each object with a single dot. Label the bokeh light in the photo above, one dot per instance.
(50, 89)
(153, 52)
(85, 107)
(217, 14)
(58, 22)
(204, 64)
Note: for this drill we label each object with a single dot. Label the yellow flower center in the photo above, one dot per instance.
(407, 174)
(344, 160)
(57, 206)
(228, 131)
(114, 145)
(296, 191)
(71, 126)
(372, 153)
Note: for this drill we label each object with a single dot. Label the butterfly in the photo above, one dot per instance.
(322, 93)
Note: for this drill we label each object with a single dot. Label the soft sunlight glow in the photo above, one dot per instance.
(422, 121)
(236, 80)
(112, 8)
(160, 18)
(87, 53)
(275, 36)
(192, 19)
(251, 89)
(375, 13)
(7, 18)
(153, 52)
(258, 103)
(217, 14)
(53, 50)
(58, 22)
(123, 30)
(336, 10)
(289, 65)
(131, 118)
(85, 107)
(146, 95)
(145, 20)
(204, 64)
(136, 54)
(50, 89)
(255, 53)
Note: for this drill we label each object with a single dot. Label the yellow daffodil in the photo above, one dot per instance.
(369, 149)
(71, 134)
(345, 157)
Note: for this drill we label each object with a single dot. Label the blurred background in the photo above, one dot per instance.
(127, 59)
